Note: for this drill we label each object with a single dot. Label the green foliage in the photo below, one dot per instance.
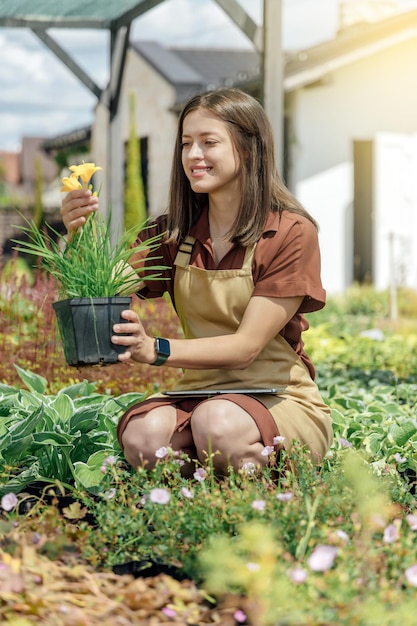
(88, 265)
(258, 536)
(135, 206)
(63, 437)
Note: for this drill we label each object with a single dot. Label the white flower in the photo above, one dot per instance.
(322, 558)
(399, 458)
(9, 501)
(279, 440)
(187, 493)
(259, 505)
(391, 533)
(267, 450)
(159, 496)
(411, 575)
(285, 497)
(341, 534)
(252, 567)
(412, 521)
(249, 468)
(298, 575)
(161, 452)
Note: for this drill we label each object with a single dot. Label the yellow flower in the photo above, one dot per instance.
(70, 183)
(84, 171)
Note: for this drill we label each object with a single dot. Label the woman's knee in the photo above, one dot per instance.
(144, 435)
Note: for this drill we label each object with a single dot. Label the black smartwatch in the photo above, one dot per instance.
(162, 350)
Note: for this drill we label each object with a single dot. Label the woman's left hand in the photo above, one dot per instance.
(139, 346)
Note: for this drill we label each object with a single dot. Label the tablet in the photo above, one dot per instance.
(217, 392)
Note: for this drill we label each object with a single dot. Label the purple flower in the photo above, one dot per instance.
(411, 575)
(391, 533)
(187, 493)
(159, 496)
(259, 505)
(285, 497)
(162, 452)
(239, 616)
(298, 575)
(344, 443)
(412, 521)
(200, 474)
(322, 558)
(279, 440)
(9, 501)
(267, 450)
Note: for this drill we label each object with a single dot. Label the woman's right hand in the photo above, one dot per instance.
(76, 206)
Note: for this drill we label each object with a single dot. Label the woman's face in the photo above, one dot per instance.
(209, 158)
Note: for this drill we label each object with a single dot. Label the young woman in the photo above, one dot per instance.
(244, 265)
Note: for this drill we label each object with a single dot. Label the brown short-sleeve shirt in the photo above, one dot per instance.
(286, 264)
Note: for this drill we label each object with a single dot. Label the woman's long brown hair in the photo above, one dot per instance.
(262, 189)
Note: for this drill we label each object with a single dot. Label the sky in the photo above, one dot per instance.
(40, 97)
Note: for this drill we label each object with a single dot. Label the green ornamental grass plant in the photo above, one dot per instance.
(88, 265)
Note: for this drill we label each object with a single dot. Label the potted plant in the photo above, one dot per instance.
(92, 275)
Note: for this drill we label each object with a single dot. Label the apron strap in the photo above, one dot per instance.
(184, 252)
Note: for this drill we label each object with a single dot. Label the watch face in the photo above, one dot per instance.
(162, 347)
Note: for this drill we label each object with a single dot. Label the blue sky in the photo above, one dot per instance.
(40, 97)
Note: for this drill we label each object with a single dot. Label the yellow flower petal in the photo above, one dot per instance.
(70, 183)
(85, 171)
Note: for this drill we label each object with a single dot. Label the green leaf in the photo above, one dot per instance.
(89, 474)
(402, 433)
(64, 407)
(79, 389)
(33, 382)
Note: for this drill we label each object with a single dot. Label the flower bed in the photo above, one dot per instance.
(318, 546)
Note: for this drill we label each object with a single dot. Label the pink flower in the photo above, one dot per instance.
(298, 575)
(279, 440)
(399, 458)
(267, 450)
(391, 533)
(239, 616)
(187, 493)
(169, 612)
(159, 496)
(411, 575)
(259, 505)
(161, 452)
(322, 558)
(9, 501)
(285, 497)
(412, 521)
(200, 474)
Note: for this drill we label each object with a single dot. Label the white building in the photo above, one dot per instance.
(350, 140)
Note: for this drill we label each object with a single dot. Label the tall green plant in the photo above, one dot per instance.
(134, 197)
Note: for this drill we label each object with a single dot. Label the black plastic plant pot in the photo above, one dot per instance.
(86, 327)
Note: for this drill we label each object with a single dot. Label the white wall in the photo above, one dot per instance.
(154, 98)
(370, 96)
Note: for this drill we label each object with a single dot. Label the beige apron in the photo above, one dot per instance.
(210, 303)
